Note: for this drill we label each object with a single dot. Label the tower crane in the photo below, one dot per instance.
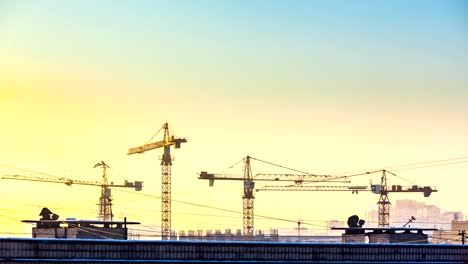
(249, 185)
(382, 189)
(105, 200)
(166, 164)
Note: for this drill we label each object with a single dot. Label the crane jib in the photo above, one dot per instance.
(156, 145)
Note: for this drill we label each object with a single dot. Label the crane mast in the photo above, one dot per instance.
(384, 202)
(166, 164)
(249, 179)
(382, 189)
(248, 199)
(105, 199)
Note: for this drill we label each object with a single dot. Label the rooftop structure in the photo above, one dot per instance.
(50, 227)
(355, 233)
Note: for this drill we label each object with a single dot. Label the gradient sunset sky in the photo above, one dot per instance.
(320, 86)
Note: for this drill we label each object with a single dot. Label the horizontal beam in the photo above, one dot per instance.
(147, 147)
(138, 185)
(296, 178)
(314, 188)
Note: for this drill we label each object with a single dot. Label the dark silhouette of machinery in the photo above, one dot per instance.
(356, 233)
(48, 226)
(48, 219)
(354, 221)
(355, 225)
(412, 218)
(46, 214)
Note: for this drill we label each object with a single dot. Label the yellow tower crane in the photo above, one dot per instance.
(105, 200)
(382, 189)
(249, 184)
(166, 163)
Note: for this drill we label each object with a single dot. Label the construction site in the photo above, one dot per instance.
(293, 181)
(356, 231)
(307, 131)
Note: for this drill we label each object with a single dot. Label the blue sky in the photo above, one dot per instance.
(297, 38)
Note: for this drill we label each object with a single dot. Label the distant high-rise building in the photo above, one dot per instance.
(427, 216)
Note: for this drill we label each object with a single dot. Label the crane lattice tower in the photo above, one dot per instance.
(166, 164)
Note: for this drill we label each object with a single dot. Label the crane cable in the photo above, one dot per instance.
(31, 171)
(280, 166)
(411, 164)
(372, 170)
(400, 177)
(224, 209)
(154, 135)
(435, 165)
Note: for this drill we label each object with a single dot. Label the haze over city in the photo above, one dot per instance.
(324, 87)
